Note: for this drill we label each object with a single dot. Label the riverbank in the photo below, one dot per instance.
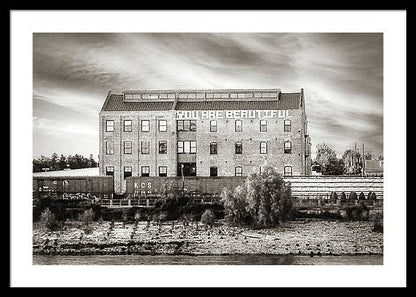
(302, 237)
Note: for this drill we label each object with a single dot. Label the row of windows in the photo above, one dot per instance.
(163, 171)
(188, 125)
(187, 147)
(128, 125)
(201, 95)
(213, 126)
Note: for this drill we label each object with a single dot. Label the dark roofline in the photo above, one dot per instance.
(106, 101)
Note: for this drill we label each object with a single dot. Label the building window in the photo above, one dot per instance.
(263, 126)
(213, 148)
(288, 147)
(109, 170)
(186, 125)
(180, 147)
(288, 171)
(145, 125)
(186, 147)
(127, 127)
(127, 147)
(238, 126)
(263, 147)
(287, 125)
(213, 171)
(238, 148)
(239, 171)
(127, 171)
(109, 126)
(109, 148)
(145, 147)
(213, 126)
(163, 147)
(163, 125)
(193, 147)
(145, 171)
(163, 171)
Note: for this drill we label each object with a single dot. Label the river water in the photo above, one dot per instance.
(207, 260)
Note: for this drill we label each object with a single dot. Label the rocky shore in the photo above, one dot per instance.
(302, 237)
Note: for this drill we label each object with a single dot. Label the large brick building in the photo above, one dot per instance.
(231, 132)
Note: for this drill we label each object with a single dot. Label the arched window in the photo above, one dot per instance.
(287, 125)
(288, 171)
(288, 147)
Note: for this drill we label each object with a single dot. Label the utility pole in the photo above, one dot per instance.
(363, 158)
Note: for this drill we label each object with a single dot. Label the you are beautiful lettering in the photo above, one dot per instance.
(232, 114)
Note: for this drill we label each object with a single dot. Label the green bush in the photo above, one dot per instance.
(333, 196)
(361, 196)
(208, 217)
(373, 196)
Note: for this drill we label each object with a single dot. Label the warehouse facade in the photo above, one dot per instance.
(212, 133)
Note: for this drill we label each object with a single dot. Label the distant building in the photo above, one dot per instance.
(373, 167)
(213, 133)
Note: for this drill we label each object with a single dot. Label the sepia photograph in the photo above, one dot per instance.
(207, 148)
(237, 148)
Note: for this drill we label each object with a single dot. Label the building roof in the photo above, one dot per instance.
(116, 102)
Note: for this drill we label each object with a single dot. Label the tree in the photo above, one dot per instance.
(352, 162)
(324, 155)
(334, 167)
(264, 200)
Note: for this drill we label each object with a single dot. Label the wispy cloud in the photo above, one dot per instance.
(341, 74)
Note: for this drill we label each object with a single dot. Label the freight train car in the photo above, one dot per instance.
(73, 187)
(139, 187)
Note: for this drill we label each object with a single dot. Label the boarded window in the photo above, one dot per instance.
(163, 147)
(109, 148)
(127, 147)
(238, 126)
(145, 147)
(238, 148)
(213, 148)
(213, 171)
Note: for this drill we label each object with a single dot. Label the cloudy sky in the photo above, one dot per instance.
(342, 75)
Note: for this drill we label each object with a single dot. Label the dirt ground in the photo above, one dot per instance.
(303, 237)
